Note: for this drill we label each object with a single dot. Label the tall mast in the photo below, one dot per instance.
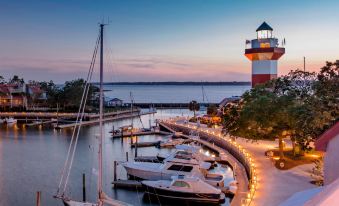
(101, 107)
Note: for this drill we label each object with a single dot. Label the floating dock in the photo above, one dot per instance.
(146, 144)
(140, 133)
(130, 184)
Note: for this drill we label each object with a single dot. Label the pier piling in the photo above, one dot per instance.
(83, 187)
(136, 146)
(38, 198)
(115, 170)
(127, 156)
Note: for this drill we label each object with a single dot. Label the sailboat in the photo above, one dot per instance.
(202, 106)
(102, 198)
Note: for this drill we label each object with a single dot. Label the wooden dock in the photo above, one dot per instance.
(40, 123)
(107, 119)
(140, 133)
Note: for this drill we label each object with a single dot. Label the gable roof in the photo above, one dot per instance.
(325, 138)
(114, 100)
(264, 26)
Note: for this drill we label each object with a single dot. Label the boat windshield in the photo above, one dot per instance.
(182, 168)
(181, 184)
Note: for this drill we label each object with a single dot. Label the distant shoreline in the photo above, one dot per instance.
(180, 83)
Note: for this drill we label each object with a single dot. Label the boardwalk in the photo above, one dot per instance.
(274, 186)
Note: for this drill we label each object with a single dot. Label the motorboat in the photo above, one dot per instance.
(2, 121)
(11, 120)
(184, 188)
(233, 186)
(172, 143)
(182, 162)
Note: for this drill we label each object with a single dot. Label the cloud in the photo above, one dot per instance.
(148, 68)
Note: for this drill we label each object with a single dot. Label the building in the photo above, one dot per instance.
(20, 96)
(329, 142)
(115, 102)
(13, 96)
(264, 54)
(36, 97)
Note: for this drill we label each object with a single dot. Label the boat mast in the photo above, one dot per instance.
(101, 109)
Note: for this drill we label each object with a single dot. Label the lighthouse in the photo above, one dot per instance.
(264, 54)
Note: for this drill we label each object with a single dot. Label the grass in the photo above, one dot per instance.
(291, 161)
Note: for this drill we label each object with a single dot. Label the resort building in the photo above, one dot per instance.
(20, 96)
(13, 96)
(264, 54)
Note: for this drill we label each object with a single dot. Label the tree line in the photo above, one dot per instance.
(66, 97)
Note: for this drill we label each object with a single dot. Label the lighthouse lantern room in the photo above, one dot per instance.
(264, 54)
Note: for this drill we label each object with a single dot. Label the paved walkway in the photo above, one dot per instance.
(274, 186)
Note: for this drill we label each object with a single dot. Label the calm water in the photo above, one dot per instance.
(31, 160)
(173, 93)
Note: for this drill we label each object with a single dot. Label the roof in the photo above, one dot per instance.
(264, 26)
(325, 138)
(36, 89)
(4, 89)
(115, 99)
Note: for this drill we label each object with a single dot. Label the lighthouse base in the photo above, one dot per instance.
(262, 78)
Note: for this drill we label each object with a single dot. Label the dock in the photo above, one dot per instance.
(140, 133)
(119, 116)
(146, 144)
(129, 184)
(40, 123)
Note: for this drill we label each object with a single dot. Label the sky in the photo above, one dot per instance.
(160, 40)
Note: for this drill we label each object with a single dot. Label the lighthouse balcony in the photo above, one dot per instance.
(271, 53)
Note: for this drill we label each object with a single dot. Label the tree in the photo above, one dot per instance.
(71, 93)
(2, 80)
(16, 80)
(300, 105)
(212, 110)
(52, 92)
(193, 106)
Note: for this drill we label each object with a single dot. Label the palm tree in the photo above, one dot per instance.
(194, 106)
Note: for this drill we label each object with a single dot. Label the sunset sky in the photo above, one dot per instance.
(160, 40)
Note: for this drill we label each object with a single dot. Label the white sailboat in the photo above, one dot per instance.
(102, 198)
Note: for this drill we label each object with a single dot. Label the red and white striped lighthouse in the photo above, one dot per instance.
(264, 54)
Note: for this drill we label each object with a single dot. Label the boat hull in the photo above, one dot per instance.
(185, 196)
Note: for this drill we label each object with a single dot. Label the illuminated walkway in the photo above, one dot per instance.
(272, 186)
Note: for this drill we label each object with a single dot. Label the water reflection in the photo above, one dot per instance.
(31, 159)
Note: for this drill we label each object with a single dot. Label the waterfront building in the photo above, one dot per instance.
(21, 96)
(115, 102)
(13, 96)
(264, 53)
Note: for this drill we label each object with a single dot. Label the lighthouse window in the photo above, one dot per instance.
(265, 45)
(264, 34)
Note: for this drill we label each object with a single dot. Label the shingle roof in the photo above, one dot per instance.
(264, 26)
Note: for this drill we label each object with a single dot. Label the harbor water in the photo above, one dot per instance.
(174, 93)
(32, 158)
